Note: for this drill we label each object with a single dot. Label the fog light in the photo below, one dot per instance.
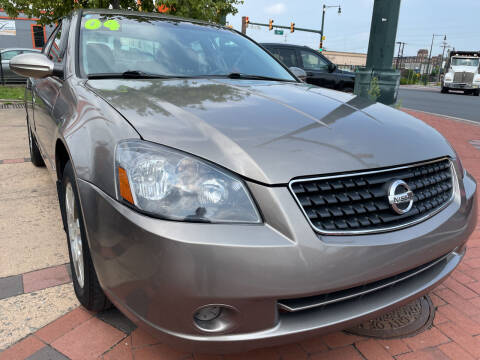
(208, 313)
(216, 318)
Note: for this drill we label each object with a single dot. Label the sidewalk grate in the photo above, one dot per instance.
(11, 106)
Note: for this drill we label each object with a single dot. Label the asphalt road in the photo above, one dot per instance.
(452, 104)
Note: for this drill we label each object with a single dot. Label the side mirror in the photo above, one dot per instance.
(35, 65)
(332, 67)
(299, 73)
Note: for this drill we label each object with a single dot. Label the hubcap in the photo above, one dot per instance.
(74, 234)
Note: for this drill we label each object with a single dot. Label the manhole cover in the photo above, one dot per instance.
(407, 320)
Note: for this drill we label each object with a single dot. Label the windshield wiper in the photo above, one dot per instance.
(131, 74)
(236, 75)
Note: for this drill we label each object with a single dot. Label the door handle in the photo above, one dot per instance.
(309, 73)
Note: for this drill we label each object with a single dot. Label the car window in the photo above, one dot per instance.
(119, 43)
(286, 56)
(312, 61)
(57, 44)
(7, 55)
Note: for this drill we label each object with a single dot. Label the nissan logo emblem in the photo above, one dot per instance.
(400, 197)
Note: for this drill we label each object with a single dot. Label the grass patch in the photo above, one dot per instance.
(12, 92)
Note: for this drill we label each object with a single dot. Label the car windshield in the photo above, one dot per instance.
(119, 44)
(465, 62)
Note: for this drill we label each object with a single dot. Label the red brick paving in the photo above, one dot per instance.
(45, 278)
(454, 335)
(89, 340)
(22, 349)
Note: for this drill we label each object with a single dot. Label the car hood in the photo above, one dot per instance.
(271, 132)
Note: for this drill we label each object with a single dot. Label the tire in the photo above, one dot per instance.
(85, 281)
(476, 92)
(444, 90)
(35, 155)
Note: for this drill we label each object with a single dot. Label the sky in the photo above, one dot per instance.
(350, 31)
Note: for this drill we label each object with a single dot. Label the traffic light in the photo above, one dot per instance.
(270, 25)
(247, 20)
(292, 27)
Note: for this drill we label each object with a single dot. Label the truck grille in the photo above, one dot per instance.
(463, 77)
(358, 203)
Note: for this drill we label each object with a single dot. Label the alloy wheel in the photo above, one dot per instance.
(74, 234)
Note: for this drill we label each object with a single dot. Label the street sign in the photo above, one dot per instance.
(278, 32)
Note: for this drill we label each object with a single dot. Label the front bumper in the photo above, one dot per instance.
(460, 86)
(160, 272)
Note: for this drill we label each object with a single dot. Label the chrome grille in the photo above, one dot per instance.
(358, 203)
(463, 77)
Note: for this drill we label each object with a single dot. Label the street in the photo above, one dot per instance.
(431, 100)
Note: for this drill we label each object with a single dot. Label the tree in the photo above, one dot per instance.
(50, 10)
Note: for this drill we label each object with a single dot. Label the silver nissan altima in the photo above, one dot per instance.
(223, 204)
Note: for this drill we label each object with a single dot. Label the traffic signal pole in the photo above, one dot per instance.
(285, 27)
(323, 26)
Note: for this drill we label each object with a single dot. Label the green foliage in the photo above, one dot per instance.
(374, 91)
(12, 92)
(50, 10)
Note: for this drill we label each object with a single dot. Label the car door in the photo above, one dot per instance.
(45, 93)
(317, 69)
(7, 74)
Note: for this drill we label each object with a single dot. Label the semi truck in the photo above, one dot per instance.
(462, 72)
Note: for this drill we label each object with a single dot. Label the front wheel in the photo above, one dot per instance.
(85, 281)
(476, 92)
(444, 90)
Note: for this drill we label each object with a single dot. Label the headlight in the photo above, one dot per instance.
(173, 185)
(477, 79)
(449, 77)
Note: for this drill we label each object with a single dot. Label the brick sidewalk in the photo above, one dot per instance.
(455, 333)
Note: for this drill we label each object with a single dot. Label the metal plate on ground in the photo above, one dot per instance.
(407, 320)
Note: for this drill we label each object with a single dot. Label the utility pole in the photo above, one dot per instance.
(444, 46)
(381, 49)
(401, 47)
(430, 56)
(325, 7)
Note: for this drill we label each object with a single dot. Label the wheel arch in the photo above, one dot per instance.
(61, 158)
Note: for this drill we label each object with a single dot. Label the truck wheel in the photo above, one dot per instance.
(444, 90)
(476, 92)
(35, 155)
(85, 281)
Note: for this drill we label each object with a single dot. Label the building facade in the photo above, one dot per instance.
(22, 32)
(346, 60)
(418, 63)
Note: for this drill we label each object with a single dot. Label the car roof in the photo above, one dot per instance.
(151, 14)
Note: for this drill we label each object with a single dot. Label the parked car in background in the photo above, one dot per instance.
(223, 204)
(7, 75)
(320, 70)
